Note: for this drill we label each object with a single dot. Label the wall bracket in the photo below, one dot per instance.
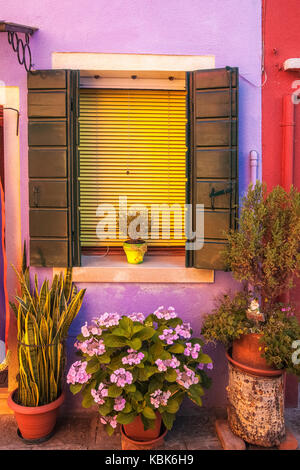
(19, 45)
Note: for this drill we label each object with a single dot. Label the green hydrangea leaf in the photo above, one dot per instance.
(126, 418)
(76, 388)
(176, 348)
(149, 413)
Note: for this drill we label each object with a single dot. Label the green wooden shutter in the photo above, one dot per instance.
(53, 188)
(213, 159)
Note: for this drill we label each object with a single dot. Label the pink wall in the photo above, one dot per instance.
(228, 29)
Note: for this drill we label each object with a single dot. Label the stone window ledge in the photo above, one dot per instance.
(154, 269)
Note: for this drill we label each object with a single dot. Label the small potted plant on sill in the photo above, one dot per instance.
(138, 370)
(43, 320)
(135, 247)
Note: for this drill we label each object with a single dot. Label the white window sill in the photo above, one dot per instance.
(154, 269)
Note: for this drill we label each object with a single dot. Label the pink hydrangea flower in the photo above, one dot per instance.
(77, 373)
(192, 351)
(209, 366)
(107, 319)
(137, 317)
(100, 394)
(162, 365)
(85, 331)
(120, 403)
(165, 314)
(112, 420)
(159, 398)
(174, 362)
(169, 336)
(91, 347)
(88, 330)
(121, 377)
(186, 378)
(184, 330)
(133, 357)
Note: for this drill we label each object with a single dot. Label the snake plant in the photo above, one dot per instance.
(43, 319)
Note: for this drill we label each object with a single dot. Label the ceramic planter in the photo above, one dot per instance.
(135, 251)
(134, 437)
(247, 354)
(35, 422)
(135, 430)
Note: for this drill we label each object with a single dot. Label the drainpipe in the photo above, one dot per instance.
(287, 169)
(253, 159)
(253, 166)
(287, 158)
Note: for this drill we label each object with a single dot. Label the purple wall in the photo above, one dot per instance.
(228, 29)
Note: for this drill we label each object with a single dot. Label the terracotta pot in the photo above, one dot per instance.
(35, 422)
(132, 444)
(136, 431)
(248, 349)
(270, 372)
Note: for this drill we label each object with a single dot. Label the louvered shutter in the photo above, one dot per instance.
(132, 143)
(53, 190)
(213, 159)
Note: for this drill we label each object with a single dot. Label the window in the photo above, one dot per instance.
(133, 146)
(54, 164)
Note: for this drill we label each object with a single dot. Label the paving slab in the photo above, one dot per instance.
(83, 431)
(227, 438)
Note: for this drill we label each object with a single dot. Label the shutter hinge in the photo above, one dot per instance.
(215, 193)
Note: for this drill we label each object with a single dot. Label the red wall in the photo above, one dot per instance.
(281, 37)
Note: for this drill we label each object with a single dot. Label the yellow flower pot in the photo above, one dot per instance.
(135, 251)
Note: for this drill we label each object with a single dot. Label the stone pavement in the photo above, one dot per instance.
(83, 431)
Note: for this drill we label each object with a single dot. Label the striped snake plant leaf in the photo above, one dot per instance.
(70, 314)
(31, 341)
(35, 393)
(68, 284)
(14, 308)
(43, 294)
(43, 321)
(36, 285)
(44, 331)
(53, 387)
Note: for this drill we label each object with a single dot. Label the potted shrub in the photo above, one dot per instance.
(43, 320)
(259, 331)
(138, 370)
(135, 247)
(265, 253)
(271, 350)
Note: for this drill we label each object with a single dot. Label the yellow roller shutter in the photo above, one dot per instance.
(132, 143)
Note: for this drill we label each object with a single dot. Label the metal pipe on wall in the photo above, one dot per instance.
(287, 156)
(253, 166)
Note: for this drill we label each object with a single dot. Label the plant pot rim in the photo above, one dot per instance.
(145, 443)
(34, 410)
(252, 370)
(133, 243)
